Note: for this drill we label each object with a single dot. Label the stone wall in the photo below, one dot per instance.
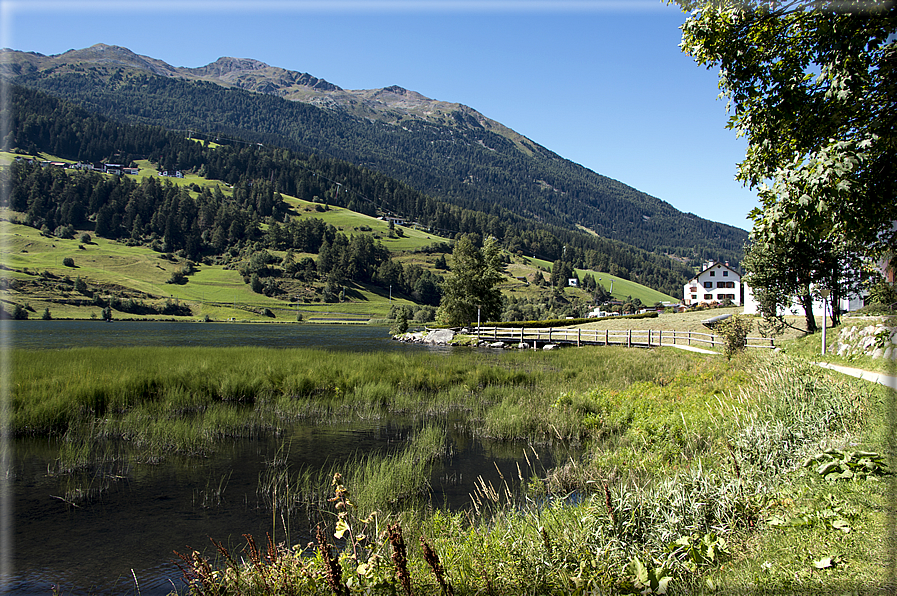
(877, 339)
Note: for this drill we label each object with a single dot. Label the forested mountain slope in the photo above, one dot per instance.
(448, 151)
(206, 223)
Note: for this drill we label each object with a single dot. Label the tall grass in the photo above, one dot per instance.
(185, 399)
(703, 459)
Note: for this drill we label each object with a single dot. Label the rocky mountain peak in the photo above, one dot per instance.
(228, 65)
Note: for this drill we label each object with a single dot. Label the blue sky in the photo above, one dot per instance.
(600, 82)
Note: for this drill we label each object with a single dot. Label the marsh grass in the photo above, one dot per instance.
(685, 471)
(385, 481)
(187, 399)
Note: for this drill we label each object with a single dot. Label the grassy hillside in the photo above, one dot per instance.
(40, 280)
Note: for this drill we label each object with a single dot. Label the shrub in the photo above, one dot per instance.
(177, 277)
(20, 313)
(85, 238)
(68, 262)
(734, 330)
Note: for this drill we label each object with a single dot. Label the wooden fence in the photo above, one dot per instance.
(609, 337)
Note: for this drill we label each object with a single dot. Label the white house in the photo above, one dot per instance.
(715, 283)
(849, 304)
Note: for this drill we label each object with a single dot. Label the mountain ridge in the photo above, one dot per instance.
(446, 149)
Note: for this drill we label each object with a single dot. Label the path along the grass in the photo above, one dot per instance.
(866, 375)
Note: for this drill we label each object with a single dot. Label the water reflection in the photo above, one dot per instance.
(135, 515)
(93, 532)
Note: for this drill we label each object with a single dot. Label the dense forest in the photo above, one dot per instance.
(210, 223)
(466, 165)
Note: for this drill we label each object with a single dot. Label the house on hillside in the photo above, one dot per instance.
(715, 283)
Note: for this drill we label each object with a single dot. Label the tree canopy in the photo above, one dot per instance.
(472, 285)
(812, 87)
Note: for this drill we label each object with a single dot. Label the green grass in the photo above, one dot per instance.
(350, 222)
(528, 266)
(693, 472)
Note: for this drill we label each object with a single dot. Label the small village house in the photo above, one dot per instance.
(716, 282)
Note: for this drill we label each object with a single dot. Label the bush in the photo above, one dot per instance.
(20, 313)
(68, 262)
(177, 277)
(401, 323)
(256, 284)
(85, 238)
(734, 331)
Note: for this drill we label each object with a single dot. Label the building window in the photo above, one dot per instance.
(708, 296)
(694, 296)
(708, 285)
(725, 274)
(712, 273)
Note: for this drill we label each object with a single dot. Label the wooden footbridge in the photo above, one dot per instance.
(539, 337)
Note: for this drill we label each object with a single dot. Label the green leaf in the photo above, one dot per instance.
(341, 528)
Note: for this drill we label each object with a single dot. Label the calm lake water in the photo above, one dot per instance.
(134, 517)
(39, 335)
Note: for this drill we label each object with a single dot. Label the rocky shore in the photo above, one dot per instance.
(446, 337)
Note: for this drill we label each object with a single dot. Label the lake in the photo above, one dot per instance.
(131, 518)
(39, 335)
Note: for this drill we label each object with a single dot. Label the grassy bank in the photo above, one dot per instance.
(692, 477)
(700, 476)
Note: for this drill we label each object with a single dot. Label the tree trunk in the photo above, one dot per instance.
(807, 302)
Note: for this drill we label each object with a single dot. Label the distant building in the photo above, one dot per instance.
(849, 304)
(717, 282)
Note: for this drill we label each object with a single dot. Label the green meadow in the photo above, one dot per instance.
(695, 474)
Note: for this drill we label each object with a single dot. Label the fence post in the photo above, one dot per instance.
(578, 337)
(521, 334)
(606, 337)
(689, 338)
(549, 335)
(629, 339)
(660, 339)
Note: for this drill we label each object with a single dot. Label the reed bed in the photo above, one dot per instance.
(186, 399)
(684, 489)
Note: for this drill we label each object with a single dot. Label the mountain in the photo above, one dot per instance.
(447, 150)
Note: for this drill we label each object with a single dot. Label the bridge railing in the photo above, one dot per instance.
(626, 337)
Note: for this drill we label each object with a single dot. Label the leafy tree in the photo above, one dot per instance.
(256, 284)
(400, 325)
(813, 90)
(47, 316)
(472, 284)
(883, 293)
(735, 332)
(778, 274)
(20, 313)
